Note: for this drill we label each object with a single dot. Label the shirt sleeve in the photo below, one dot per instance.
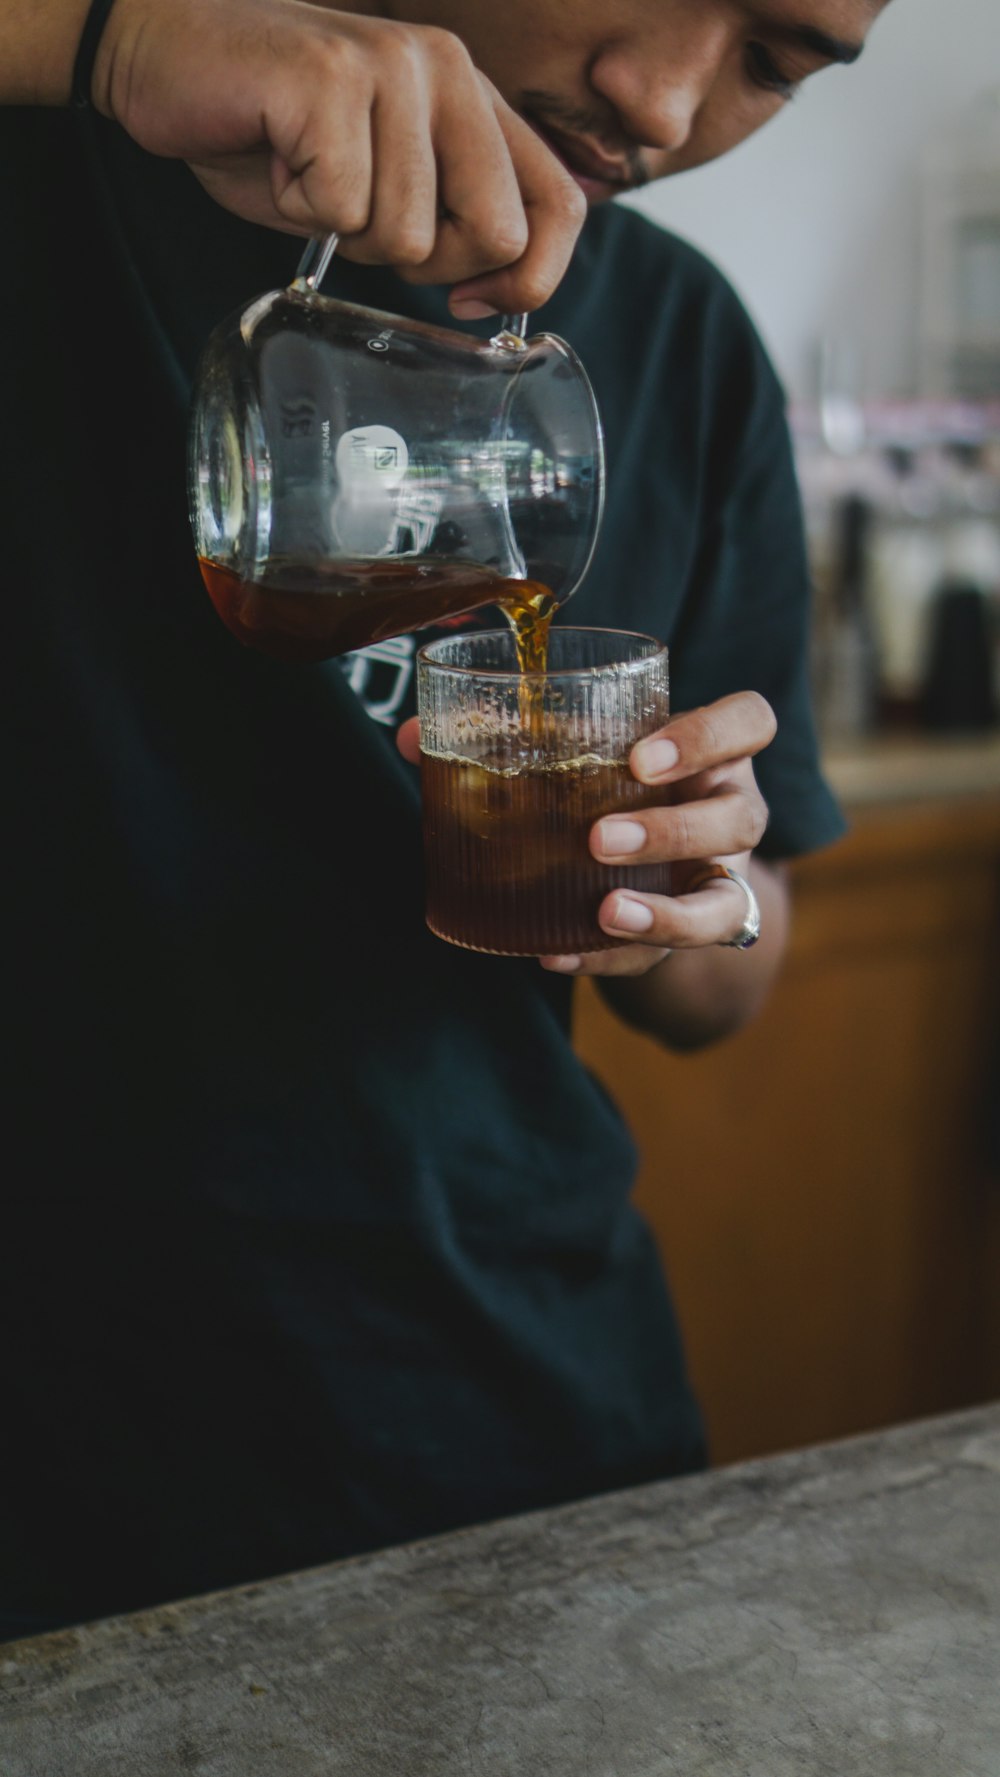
(747, 617)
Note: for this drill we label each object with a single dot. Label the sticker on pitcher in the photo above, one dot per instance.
(371, 463)
(371, 454)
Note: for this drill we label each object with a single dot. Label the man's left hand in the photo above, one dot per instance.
(712, 813)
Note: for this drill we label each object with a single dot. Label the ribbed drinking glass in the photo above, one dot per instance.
(515, 770)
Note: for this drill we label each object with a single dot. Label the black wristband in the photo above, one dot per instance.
(86, 55)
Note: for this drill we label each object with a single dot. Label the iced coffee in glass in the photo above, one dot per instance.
(516, 768)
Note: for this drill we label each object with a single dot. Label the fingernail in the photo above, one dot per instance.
(619, 837)
(561, 965)
(656, 757)
(630, 916)
(468, 308)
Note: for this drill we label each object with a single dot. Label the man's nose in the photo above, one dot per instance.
(658, 88)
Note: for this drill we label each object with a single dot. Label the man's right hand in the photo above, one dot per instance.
(311, 120)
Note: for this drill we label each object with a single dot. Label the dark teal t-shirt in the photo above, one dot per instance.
(319, 1236)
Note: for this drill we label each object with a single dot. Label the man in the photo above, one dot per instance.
(319, 1236)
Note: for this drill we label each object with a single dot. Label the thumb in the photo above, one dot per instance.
(408, 740)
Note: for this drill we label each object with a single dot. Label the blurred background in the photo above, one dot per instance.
(826, 1186)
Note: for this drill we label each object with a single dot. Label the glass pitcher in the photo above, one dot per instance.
(353, 475)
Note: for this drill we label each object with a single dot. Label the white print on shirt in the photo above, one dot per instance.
(380, 676)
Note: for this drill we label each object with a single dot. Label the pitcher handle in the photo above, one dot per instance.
(313, 265)
(315, 261)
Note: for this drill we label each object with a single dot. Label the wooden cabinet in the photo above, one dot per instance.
(822, 1186)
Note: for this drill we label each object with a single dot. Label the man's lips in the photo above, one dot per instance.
(588, 166)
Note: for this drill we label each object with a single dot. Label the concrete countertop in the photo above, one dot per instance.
(830, 1613)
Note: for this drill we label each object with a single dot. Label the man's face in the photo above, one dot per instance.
(630, 90)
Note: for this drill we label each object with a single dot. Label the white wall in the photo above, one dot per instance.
(815, 219)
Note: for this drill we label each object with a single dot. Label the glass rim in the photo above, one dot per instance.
(425, 660)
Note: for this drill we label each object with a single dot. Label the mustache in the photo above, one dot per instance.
(578, 120)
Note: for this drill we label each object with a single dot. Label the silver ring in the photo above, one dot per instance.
(749, 931)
